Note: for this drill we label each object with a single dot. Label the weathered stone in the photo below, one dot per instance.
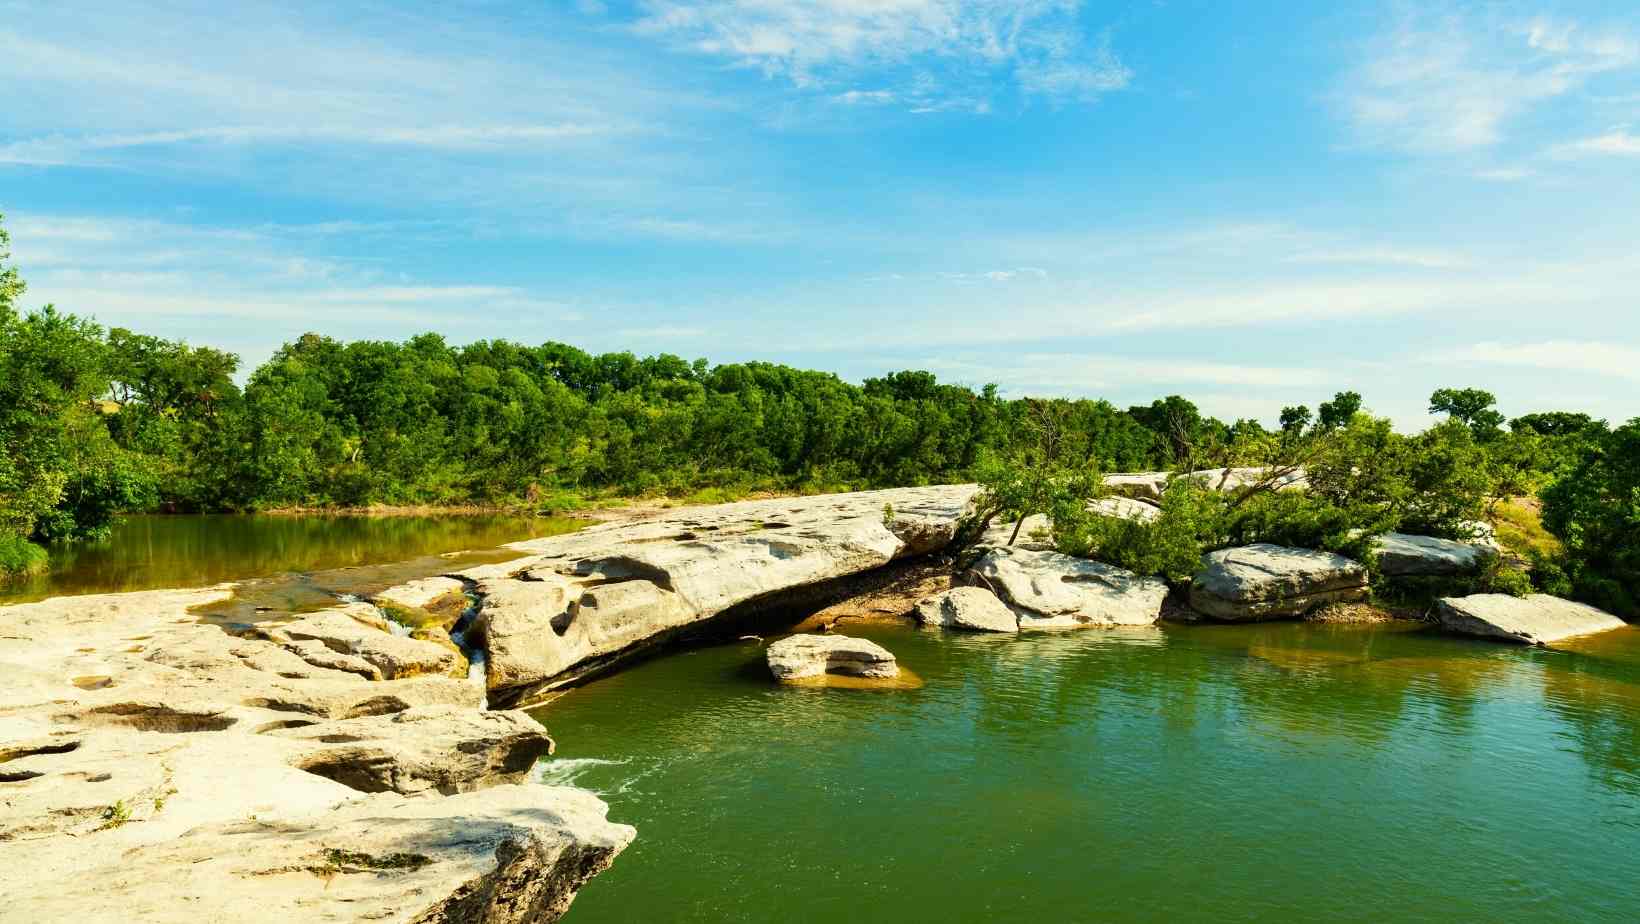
(507, 855)
(1143, 486)
(579, 602)
(394, 655)
(196, 775)
(1124, 508)
(1265, 581)
(1539, 619)
(1403, 555)
(796, 657)
(442, 748)
(1053, 591)
(972, 608)
(1149, 486)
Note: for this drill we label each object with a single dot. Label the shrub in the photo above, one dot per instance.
(1170, 546)
(1595, 512)
(18, 556)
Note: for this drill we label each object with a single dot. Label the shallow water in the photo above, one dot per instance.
(1278, 772)
(308, 554)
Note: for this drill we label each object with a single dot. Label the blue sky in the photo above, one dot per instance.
(1252, 204)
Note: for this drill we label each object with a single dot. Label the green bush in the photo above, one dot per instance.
(18, 556)
(1170, 546)
(1595, 512)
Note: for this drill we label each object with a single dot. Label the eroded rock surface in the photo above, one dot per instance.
(192, 775)
(1265, 581)
(797, 657)
(1149, 486)
(972, 608)
(1048, 590)
(1403, 555)
(576, 603)
(1539, 619)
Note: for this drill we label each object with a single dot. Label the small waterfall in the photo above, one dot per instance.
(393, 625)
(458, 634)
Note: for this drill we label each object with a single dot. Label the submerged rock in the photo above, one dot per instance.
(1265, 581)
(1539, 619)
(796, 657)
(1049, 590)
(973, 608)
(1403, 555)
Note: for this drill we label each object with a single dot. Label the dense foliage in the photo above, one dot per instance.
(1595, 511)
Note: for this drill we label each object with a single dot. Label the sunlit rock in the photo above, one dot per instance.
(796, 657)
(1273, 582)
(1049, 590)
(1539, 619)
(973, 608)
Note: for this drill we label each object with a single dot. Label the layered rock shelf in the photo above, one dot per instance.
(1265, 581)
(576, 604)
(154, 767)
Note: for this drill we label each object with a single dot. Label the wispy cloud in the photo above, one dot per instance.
(1618, 142)
(58, 150)
(1452, 82)
(933, 50)
(1608, 359)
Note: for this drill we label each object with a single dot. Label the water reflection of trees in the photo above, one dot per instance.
(1600, 703)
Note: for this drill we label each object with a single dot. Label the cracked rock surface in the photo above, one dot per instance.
(154, 767)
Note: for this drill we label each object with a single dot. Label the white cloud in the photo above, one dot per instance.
(1453, 83)
(1618, 142)
(1608, 359)
(935, 48)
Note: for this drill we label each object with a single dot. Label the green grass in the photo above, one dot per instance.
(1519, 524)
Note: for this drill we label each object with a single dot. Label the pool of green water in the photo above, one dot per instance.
(292, 560)
(1282, 772)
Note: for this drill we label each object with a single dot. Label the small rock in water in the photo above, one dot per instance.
(798, 656)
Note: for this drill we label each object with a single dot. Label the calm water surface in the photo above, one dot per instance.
(1282, 772)
(298, 559)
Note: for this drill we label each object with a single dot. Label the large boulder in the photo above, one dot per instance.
(973, 608)
(1403, 555)
(1265, 581)
(1535, 620)
(1049, 590)
(797, 657)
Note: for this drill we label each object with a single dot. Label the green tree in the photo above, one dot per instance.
(1473, 407)
(1595, 512)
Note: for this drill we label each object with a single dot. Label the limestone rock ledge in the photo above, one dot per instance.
(154, 767)
(578, 603)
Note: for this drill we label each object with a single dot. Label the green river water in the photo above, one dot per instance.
(1280, 772)
(288, 562)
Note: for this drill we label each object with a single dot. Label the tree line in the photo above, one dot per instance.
(96, 422)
